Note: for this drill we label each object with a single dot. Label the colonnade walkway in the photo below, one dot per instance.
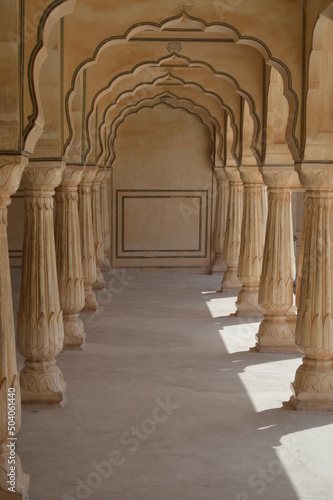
(169, 401)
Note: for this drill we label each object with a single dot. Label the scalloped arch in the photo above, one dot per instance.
(203, 26)
(190, 64)
(176, 102)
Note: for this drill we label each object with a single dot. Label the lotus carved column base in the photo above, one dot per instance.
(313, 385)
(42, 383)
(277, 334)
(100, 282)
(74, 332)
(21, 479)
(219, 265)
(91, 304)
(247, 302)
(106, 266)
(230, 281)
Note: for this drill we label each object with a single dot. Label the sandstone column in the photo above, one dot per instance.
(232, 240)
(222, 194)
(87, 238)
(97, 227)
(252, 243)
(69, 259)
(313, 385)
(10, 177)
(277, 330)
(40, 329)
(105, 212)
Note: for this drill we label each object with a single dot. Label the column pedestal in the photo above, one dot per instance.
(11, 169)
(69, 259)
(277, 330)
(40, 330)
(313, 385)
(97, 228)
(222, 194)
(252, 244)
(232, 242)
(87, 238)
(106, 228)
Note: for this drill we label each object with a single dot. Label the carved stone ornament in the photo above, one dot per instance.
(313, 385)
(252, 243)
(106, 227)
(87, 238)
(221, 208)
(232, 242)
(69, 259)
(276, 331)
(40, 330)
(97, 228)
(11, 169)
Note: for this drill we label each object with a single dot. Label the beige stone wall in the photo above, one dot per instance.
(162, 192)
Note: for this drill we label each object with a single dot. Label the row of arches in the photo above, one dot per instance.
(82, 72)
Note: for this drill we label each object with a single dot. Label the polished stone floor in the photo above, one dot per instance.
(170, 402)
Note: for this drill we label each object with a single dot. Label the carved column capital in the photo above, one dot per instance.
(89, 174)
(11, 169)
(220, 175)
(315, 176)
(72, 176)
(251, 175)
(99, 176)
(233, 175)
(107, 174)
(281, 177)
(41, 179)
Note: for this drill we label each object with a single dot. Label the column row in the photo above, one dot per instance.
(268, 287)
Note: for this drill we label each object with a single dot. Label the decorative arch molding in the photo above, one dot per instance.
(175, 102)
(174, 62)
(152, 106)
(217, 98)
(178, 83)
(319, 100)
(190, 23)
(52, 14)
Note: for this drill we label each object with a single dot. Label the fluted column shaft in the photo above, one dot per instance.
(97, 227)
(87, 238)
(10, 177)
(252, 243)
(277, 330)
(105, 214)
(222, 195)
(40, 330)
(69, 259)
(313, 385)
(232, 240)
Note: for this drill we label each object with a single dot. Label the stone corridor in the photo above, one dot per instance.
(171, 337)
